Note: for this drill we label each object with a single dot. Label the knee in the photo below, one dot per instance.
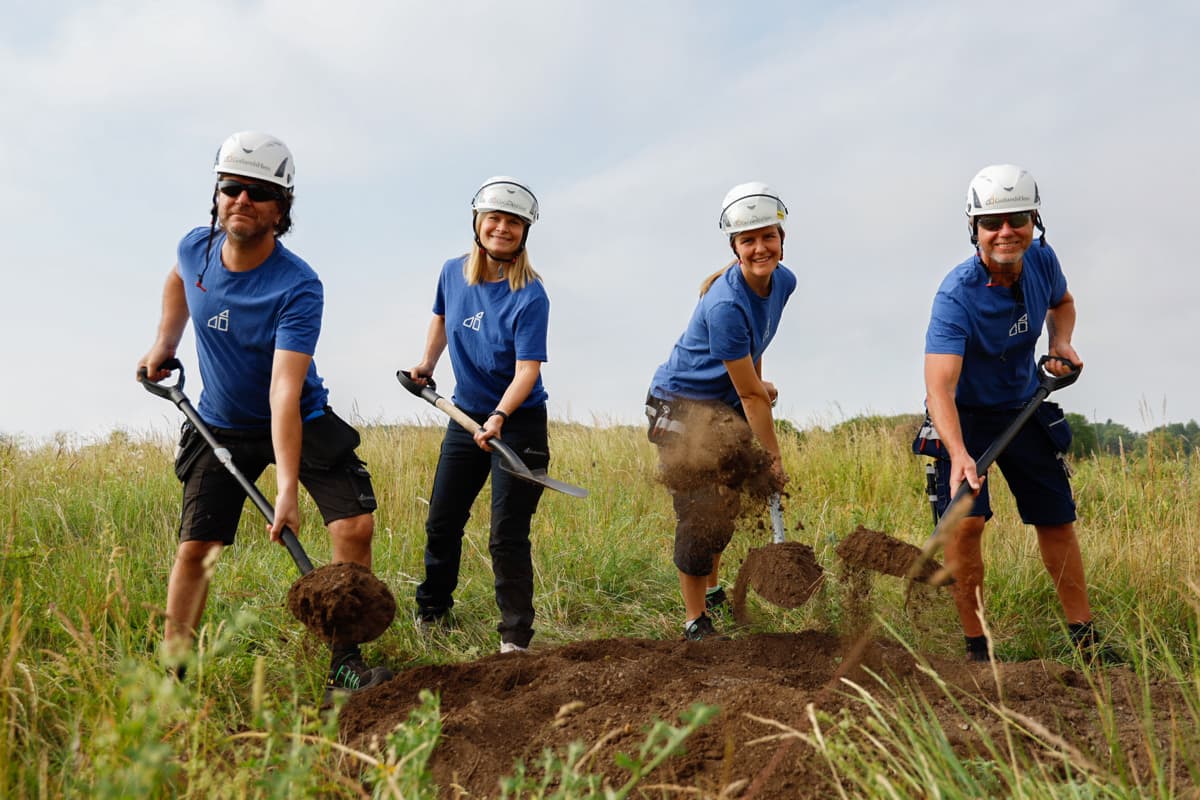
(355, 531)
(195, 555)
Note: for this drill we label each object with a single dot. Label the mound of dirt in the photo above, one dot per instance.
(876, 551)
(342, 603)
(784, 574)
(605, 693)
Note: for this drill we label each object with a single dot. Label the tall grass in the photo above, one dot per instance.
(87, 536)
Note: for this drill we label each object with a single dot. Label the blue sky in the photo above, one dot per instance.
(629, 121)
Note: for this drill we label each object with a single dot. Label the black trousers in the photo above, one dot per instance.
(461, 472)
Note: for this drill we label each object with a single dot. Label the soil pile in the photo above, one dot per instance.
(605, 693)
(342, 603)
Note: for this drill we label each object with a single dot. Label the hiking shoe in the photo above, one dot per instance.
(352, 675)
(715, 599)
(977, 649)
(1091, 647)
(512, 647)
(700, 628)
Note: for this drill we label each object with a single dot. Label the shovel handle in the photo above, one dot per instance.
(1053, 382)
(170, 392)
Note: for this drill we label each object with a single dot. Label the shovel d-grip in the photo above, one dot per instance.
(175, 394)
(509, 460)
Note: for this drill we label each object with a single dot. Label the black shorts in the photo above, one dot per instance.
(1033, 464)
(212, 498)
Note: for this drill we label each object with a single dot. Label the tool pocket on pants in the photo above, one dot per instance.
(1052, 419)
(191, 446)
(328, 441)
(928, 443)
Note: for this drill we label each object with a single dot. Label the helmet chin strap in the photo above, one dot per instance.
(520, 248)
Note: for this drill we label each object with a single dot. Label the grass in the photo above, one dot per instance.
(87, 539)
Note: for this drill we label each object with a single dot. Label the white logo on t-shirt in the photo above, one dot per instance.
(1020, 326)
(473, 322)
(220, 321)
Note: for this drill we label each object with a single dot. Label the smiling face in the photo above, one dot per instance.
(759, 251)
(1000, 244)
(244, 219)
(500, 233)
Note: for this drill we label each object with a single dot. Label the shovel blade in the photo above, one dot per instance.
(540, 477)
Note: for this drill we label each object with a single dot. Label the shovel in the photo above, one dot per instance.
(509, 460)
(961, 502)
(337, 616)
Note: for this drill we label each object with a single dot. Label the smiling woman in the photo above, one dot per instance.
(713, 380)
(499, 314)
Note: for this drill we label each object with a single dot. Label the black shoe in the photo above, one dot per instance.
(977, 649)
(1091, 646)
(429, 619)
(716, 600)
(701, 628)
(352, 675)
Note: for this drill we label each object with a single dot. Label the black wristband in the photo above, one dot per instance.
(500, 413)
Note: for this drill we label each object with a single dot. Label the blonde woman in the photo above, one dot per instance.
(492, 312)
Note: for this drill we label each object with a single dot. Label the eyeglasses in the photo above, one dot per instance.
(257, 192)
(994, 222)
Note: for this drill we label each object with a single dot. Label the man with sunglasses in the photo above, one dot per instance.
(256, 311)
(980, 370)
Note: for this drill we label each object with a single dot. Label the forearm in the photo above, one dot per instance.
(1060, 323)
(522, 384)
(762, 422)
(286, 438)
(435, 344)
(174, 316)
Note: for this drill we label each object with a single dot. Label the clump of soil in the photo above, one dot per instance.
(342, 603)
(876, 551)
(716, 449)
(784, 574)
(606, 693)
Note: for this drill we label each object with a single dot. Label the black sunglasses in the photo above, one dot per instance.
(257, 192)
(994, 222)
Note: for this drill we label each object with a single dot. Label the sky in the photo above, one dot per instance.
(629, 121)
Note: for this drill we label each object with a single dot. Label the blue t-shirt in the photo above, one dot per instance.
(995, 329)
(730, 322)
(240, 319)
(489, 328)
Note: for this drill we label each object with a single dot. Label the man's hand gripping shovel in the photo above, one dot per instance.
(509, 460)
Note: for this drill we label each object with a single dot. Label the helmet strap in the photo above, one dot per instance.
(212, 229)
(515, 255)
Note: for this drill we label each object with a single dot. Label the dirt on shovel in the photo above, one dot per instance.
(876, 551)
(784, 574)
(342, 604)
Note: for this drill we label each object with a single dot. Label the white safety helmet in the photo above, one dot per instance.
(751, 205)
(257, 155)
(503, 193)
(1000, 189)
(1003, 189)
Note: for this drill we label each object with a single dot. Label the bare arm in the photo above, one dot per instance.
(1060, 325)
(171, 325)
(435, 345)
(756, 401)
(518, 390)
(942, 371)
(287, 380)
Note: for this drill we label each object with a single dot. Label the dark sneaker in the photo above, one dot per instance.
(1091, 646)
(716, 600)
(352, 675)
(431, 619)
(700, 628)
(977, 649)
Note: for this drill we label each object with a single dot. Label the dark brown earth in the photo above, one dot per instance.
(878, 552)
(784, 574)
(342, 603)
(605, 693)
